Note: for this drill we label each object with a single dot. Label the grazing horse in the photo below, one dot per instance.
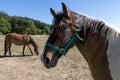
(97, 41)
(19, 39)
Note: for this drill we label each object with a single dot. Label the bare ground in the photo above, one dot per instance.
(70, 67)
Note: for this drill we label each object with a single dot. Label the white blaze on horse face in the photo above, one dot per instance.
(50, 54)
(113, 53)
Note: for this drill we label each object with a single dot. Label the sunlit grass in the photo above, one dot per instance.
(69, 67)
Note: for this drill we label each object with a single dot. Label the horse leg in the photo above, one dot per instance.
(23, 50)
(6, 50)
(10, 49)
(5, 47)
(30, 49)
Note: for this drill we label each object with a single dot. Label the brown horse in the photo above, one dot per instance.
(19, 39)
(97, 41)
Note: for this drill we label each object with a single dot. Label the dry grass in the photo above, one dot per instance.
(70, 67)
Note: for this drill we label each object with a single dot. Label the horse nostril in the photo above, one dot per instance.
(47, 61)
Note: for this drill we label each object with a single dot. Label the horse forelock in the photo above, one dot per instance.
(62, 17)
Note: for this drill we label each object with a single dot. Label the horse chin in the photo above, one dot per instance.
(48, 66)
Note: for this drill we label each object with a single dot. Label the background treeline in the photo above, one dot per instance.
(22, 25)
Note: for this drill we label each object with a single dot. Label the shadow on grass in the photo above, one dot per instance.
(7, 56)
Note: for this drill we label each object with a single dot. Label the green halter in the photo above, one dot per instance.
(64, 49)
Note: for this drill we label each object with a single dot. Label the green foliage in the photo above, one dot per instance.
(10, 24)
(5, 26)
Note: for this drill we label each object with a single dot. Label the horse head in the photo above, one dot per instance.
(61, 37)
(36, 49)
(33, 43)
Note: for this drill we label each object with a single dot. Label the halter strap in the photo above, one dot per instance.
(64, 49)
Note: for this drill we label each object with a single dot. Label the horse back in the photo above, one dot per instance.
(17, 39)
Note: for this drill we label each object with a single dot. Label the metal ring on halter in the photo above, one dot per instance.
(62, 50)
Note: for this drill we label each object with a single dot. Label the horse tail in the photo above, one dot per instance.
(5, 45)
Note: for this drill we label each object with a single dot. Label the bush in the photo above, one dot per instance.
(17, 24)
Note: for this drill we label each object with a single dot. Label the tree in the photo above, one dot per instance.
(5, 26)
(21, 25)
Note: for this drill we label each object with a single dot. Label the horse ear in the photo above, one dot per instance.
(53, 12)
(66, 11)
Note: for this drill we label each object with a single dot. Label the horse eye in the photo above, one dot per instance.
(63, 28)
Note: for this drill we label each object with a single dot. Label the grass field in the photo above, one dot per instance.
(70, 67)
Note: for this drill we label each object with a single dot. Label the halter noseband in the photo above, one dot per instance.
(64, 49)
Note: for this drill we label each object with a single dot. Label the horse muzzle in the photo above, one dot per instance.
(49, 59)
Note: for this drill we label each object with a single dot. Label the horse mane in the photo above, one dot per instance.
(32, 41)
(91, 25)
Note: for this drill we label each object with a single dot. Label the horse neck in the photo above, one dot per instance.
(94, 50)
(33, 42)
(34, 45)
(98, 44)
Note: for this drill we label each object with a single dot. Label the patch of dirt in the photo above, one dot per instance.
(70, 67)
